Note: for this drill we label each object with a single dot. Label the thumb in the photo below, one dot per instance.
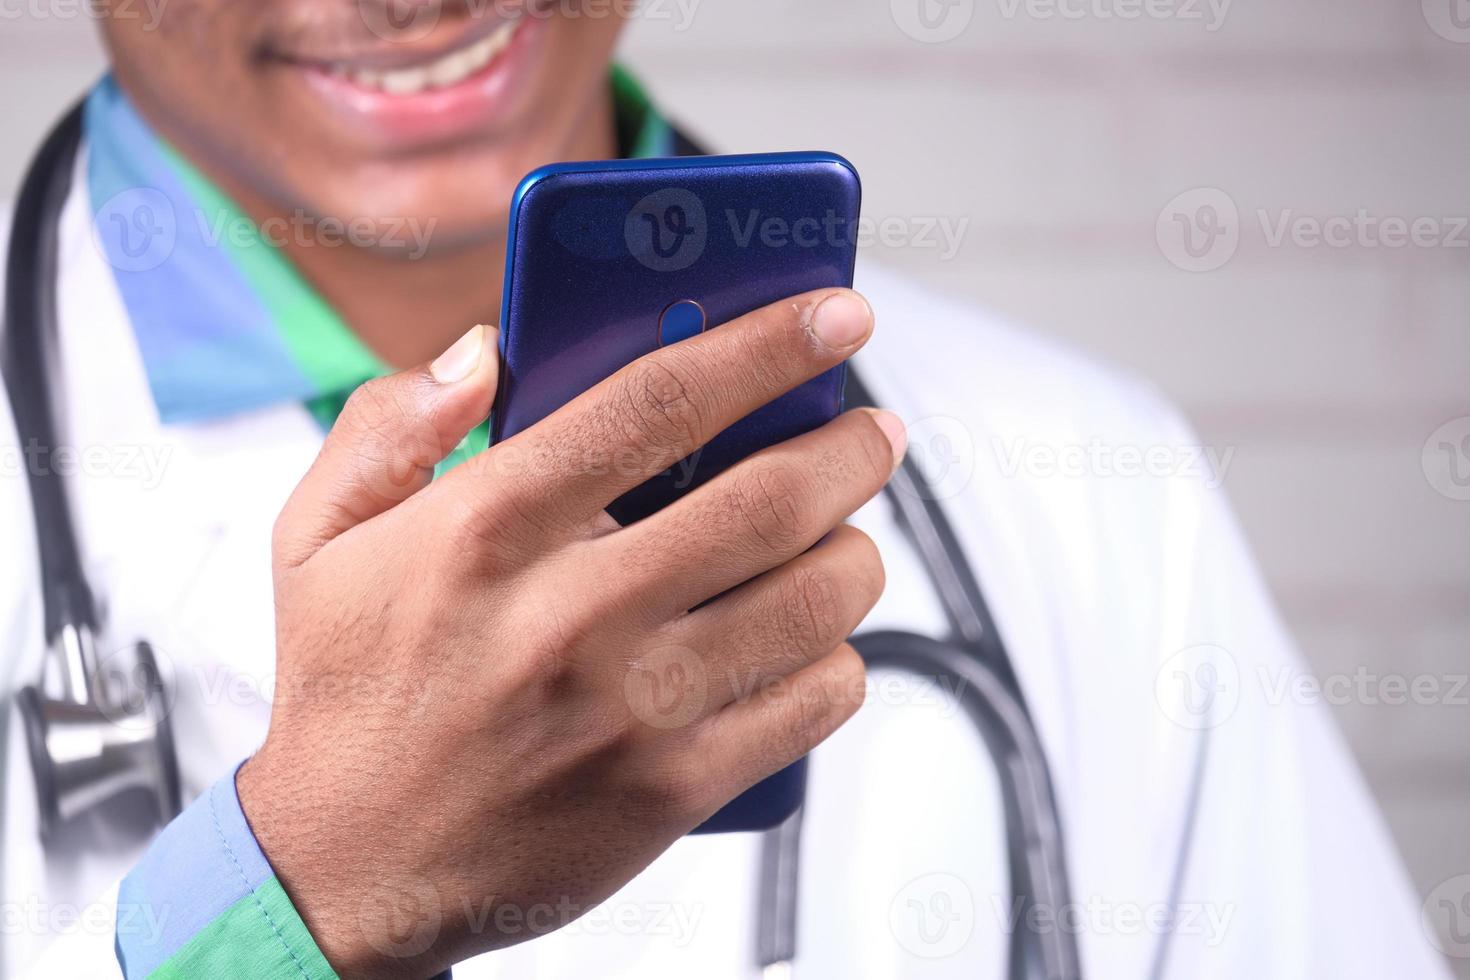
(384, 446)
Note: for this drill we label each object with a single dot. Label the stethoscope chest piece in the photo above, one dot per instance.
(107, 733)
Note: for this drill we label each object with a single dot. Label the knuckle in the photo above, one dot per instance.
(658, 394)
(772, 501)
(808, 711)
(770, 345)
(474, 520)
(489, 529)
(603, 737)
(812, 608)
(485, 513)
(554, 634)
(578, 633)
(686, 784)
(294, 538)
(373, 399)
(283, 540)
(383, 423)
(669, 790)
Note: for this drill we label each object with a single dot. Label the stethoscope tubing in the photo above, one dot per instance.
(25, 363)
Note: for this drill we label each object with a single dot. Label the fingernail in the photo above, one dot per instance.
(842, 320)
(462, 357)
(895, 430)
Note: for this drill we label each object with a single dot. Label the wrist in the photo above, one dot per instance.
(364, 926)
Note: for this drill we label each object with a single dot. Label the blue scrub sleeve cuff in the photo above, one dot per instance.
(204, 901)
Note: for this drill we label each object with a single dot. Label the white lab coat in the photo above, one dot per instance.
(1098, 579)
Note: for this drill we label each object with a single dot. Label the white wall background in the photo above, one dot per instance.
(1061, 130)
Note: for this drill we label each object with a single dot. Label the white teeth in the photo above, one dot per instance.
(450, 69)
(404, 81)
(455, 67)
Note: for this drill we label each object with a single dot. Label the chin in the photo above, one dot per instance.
(332, 120)
(458, 204)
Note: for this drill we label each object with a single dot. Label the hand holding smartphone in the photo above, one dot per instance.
(610, 261)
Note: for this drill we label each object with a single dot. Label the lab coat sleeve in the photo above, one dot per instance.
(204, 902)
(1291, 871)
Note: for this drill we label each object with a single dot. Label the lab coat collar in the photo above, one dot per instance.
(224, 323)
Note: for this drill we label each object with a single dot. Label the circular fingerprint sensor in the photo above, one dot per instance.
(680, 321)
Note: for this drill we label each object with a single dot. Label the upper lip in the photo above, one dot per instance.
(388, 55)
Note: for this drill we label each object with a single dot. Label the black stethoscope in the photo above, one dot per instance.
(94, 733)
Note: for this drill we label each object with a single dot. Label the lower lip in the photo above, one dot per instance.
(460, 109)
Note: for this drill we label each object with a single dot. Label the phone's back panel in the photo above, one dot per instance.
(609, 261)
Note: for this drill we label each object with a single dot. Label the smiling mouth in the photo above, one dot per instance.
(407, 97)
(433, 71)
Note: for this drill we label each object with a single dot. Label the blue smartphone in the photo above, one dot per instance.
(608, 261)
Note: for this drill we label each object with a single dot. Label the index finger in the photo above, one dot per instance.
(665, 405)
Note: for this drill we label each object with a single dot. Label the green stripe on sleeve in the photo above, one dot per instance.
(260, 937)
(324, 348)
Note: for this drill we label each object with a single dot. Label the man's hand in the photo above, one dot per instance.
(494, 706)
